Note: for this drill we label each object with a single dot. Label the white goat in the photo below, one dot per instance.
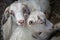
(39, 23)
(23, 33)
(19, 13)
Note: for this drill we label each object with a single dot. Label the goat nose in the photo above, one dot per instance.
(21, 21)
(30, 22)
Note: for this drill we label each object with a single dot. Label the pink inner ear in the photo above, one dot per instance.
(6, 11)
(39, 20)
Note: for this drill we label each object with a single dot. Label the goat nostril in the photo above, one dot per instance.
(39, 33)
(21, 21)
(30, 22)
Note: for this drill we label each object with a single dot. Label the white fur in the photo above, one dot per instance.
(46, 27)
(26, 32)
(9, 27)
(12, 21)
(42, 5)
(34, 18)
(17, 30)
(22, 33)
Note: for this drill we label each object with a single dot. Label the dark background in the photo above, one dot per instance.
(54, 17)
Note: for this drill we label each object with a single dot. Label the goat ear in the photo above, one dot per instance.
(49, 25)
(5, 15)
(6, 10)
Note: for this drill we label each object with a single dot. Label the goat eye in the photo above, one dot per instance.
(26, 10)
(31, 22)
(12, 13)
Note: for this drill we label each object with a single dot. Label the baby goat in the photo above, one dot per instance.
(39, 23)
(19, 12)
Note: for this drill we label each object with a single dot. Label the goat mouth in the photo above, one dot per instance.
(21, 23)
